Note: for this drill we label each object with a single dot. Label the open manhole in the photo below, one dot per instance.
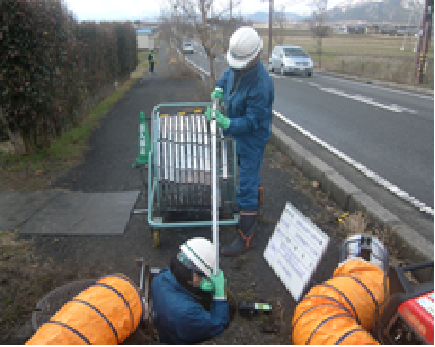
(53, 301)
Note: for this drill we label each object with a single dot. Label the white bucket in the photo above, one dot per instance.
(366, 247)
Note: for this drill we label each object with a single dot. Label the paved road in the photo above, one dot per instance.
(387, 132)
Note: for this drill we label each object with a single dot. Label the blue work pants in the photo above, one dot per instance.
(250, 166)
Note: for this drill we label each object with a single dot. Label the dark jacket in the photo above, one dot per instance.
(178, 315)
(249, 106)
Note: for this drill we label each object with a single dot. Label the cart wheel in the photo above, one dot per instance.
(156, 238)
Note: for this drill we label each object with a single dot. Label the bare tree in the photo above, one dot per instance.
(318, 28)
(199, 19)
(280, 21)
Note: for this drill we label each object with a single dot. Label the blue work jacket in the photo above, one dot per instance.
(179, 317)
(249, 106)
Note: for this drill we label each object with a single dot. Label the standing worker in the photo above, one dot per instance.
(151, 61)
(247, 92)
(190, 303)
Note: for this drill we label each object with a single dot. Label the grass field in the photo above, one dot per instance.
(374, 56)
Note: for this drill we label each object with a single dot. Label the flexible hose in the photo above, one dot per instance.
(106, 312)
(341, 310)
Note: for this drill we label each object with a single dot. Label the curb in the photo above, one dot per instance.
(350, 198)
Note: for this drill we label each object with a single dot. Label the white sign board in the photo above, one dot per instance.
(294, 249)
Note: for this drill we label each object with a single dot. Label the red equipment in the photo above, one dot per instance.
(408, 318)
(419, 312)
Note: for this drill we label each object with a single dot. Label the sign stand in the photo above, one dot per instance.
(295, 249)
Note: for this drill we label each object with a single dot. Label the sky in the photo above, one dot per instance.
(138, 9)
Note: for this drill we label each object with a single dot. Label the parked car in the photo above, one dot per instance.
(290, 60)
(188, 48)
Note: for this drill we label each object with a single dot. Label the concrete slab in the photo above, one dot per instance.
(18, 207)
(83, 214)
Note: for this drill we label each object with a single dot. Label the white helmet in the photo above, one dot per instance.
(201, 252)
(244, 46)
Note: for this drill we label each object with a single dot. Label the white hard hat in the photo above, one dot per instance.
(201, 252)
(244, 46)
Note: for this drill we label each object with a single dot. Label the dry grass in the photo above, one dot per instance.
(25, 278)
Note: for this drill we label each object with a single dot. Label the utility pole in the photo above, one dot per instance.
(270, 28)
(423, 43)
(231, 9)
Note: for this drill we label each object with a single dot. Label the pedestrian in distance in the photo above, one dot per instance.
(151, 61)
(247, 93)
(190, 303)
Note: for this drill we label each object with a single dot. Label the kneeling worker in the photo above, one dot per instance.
(180, 294)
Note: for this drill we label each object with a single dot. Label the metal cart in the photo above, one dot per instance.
(180, 175)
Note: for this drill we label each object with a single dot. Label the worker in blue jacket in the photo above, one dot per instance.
(189, 303)
(246, 90)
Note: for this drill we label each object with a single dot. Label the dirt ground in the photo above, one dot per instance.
(32, 266)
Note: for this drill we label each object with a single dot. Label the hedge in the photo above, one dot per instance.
(52, 67)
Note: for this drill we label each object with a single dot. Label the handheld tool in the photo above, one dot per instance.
(214, 182)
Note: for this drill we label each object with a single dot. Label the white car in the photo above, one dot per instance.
(188, 48)
(290, 60)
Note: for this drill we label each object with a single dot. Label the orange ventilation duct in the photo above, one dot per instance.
(106, 312)
(342, 309)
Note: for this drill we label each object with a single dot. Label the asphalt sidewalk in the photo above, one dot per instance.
(107, 169)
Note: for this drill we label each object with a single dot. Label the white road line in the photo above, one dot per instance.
(364, 99)
(360, 167)
(398, 91)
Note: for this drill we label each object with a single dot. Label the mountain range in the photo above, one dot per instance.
(388, 11)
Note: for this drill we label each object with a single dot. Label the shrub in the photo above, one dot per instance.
(51, 64)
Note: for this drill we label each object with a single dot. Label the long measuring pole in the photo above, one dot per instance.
(214, 183)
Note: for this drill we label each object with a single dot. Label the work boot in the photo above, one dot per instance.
(245, 232)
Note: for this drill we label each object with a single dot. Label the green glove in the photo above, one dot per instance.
(208, 113)
(222, 121)
(218, 93)
(219, 285)
(206, 285)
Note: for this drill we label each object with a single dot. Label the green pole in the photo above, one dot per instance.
(144, 141)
